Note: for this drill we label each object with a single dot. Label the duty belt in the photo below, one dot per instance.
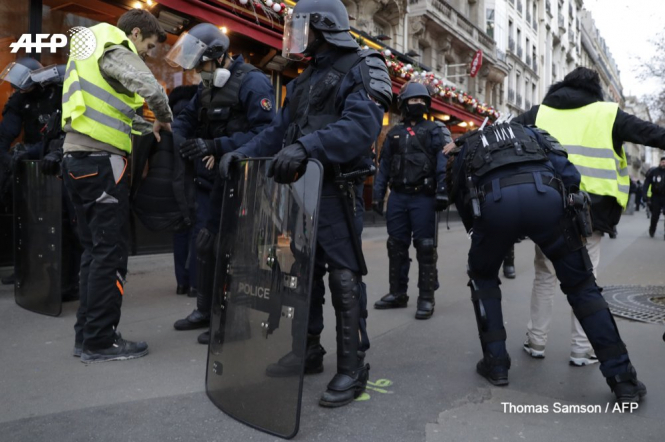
(523, 178)
(404, 188)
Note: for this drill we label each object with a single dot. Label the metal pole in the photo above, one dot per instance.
(35, 22)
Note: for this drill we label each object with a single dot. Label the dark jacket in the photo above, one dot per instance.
(258, 100)
(605, 210)
(436, 143)
(558, 166)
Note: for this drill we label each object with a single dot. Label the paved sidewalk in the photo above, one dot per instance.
(425, 385)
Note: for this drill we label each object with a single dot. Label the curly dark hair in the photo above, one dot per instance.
(581, 78)
(145, 21)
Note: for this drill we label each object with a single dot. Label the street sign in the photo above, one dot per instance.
(476, 63)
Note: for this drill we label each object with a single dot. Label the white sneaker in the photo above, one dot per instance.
(535, 351)
(582, 359)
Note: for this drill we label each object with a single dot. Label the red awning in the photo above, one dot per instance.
(446, 108)
(218, 15)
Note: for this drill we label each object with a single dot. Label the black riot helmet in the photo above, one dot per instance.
(17, 73)
(328, 17)
(203, 42)
(413, 90)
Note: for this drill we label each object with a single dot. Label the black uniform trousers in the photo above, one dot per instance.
(334, 250)
(527, 210)
(99, 189)
(657, 206)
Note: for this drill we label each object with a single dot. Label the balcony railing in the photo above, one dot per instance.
(511, 95)
(519, 6)
(519, 100)
(441, 10)
(511, 44)
(519, 51)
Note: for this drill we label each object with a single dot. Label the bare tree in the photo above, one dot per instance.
(654, 68)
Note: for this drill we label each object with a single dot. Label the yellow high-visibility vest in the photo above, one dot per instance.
(90, 104)
(586, 133)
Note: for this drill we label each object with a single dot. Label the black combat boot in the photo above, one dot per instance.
(346, 385)
(199, 318)
(289, 364)
(391, 300)
(494, 370)
(425, 305)
(626, 387)
(398, 254)
(509, 264)
(204, 338)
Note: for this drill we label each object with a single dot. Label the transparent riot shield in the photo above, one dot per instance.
(37, 239)
(260, 309)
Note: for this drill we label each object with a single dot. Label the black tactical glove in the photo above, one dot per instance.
(377, 206)
(441, 202)
(51, 162)
(226, 161)
(205, 241)
(197, 148)
(289, 164)
(20, 154)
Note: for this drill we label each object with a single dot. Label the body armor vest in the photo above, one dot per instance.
(658, 182)
(37, 111)
(413, 163)
(221, 113)
(313, 105)
(501, 145)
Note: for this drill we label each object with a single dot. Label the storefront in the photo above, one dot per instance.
(256, 33)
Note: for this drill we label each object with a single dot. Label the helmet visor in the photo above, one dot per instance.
(186, 52)
(16, 74)
(46, 75)
(296, 36)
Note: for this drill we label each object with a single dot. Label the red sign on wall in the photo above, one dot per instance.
(476, 63)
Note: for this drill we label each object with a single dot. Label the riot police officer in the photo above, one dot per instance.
(29, 109)
(412, 163)
(656, 179)
(333, 113)
(234, 101)
(508, 181)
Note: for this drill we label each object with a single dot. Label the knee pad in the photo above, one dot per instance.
(425, 250)
(345, 290)
(397, 248)
(574, 289)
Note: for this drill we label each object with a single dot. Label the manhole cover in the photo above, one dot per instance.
(640, 303)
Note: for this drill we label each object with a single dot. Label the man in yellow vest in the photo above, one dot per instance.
(592, 131)
(101, 95)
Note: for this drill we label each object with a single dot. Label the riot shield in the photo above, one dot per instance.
(37, 239)
(260, 309)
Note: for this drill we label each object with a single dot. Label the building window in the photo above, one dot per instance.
(490, 23)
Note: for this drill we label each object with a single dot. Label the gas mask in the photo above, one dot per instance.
(218, 78)
(415, 111)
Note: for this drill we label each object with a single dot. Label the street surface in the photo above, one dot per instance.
(424, 386)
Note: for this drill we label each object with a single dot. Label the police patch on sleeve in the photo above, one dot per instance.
(266, 104)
